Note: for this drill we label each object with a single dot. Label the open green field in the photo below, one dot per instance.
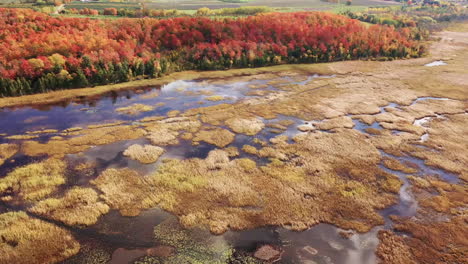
(189, 6)
(101, 5)
(293, 4)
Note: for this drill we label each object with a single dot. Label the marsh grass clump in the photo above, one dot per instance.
(396, 165)
(145, 154)
(7, 151)
(232, 151)
(79, 206)
(284, 171)
(34, 181)
(215, 98)
(21, 137)
(173, 113)
(442, 240)
(125, 190)
(217, 159)
(248, 126)
(27, 240)
(218, 136)
(163, 137)
(44, 131)
(338, 122)
(166, 131)
(135, 109)
(250, 149)
(174, 175)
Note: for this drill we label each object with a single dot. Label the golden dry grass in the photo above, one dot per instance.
(79, 206)
(215, 98)
(248, 126)
(7, 151)
(34, 181)
(145, 154)
(125, 190)
(218, 136)
(21, 137)
(396, 165)
(163, 137)
(28, 240)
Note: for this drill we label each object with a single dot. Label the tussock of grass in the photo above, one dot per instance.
(283, 171)
(21, 137)
(79, 206)
(219, 137)
(250, 149)
(248, 126)
(7, 151)
(126, 191)
(34, 181)
(173, 113)
(135, 109)
(178, 176)
(27, 240)
(338, 122)
(215, 98)
(217, 159)
(145, 154)
(105, 125)
(165, 132)
(163, 137)
(232, 151)
(396, 165)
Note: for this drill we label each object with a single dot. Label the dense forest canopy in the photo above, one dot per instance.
(41, 52)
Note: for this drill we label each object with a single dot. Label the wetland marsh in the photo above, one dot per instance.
(285, 166)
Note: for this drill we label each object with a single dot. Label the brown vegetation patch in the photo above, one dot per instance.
(248, 126)
(7, 151)
(393, 250)
(163, 137)
(165, 132)
(79, 206)
(336, 172)
(125, 190)
(446, 135)
(28, 240)
(445, 197)
(215, 98)
(145, 154)
(439, 242)
(338, 122)
(34, 181)
(218, 136)
(21, 137)
(396, 165)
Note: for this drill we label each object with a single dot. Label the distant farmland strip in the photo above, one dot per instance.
(102, 5)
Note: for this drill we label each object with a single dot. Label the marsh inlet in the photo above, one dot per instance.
(133, 105)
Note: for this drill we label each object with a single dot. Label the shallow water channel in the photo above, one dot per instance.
(118, 239)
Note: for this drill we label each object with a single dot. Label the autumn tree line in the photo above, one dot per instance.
(41, 53)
